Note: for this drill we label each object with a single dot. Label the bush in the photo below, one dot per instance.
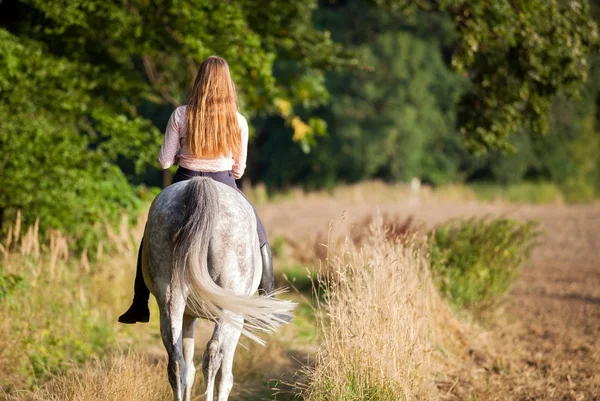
(475, 262)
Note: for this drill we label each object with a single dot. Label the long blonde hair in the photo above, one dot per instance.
(212, 125)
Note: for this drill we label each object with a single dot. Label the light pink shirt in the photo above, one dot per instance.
(174, 148)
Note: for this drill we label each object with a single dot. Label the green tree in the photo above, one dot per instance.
(567, 156)
(75, 78)
(393, 117)
(388, 118)
(518, 55)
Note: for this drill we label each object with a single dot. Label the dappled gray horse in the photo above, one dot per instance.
(201, 259)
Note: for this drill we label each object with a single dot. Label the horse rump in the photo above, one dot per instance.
(190, 266)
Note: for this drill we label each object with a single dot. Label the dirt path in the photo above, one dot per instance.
(545, 345)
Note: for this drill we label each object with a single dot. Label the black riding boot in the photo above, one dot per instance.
(266, 288)
(267, 281)
(138, 311)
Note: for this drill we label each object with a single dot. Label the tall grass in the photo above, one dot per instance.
(386, 332)
(378, 325)
(474, 261)
(120, 377)
(57, 308)
(380, 319)
(59, 338)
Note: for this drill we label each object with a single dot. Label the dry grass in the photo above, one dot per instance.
(545, 347)
(377, 191)
(544, 343)
(59, 339)
(58, 308)
(137, 375)
(380, 324)
(364, 192)
(124, 377)
(316, 248)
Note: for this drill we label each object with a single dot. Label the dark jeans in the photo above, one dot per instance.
(182, 174)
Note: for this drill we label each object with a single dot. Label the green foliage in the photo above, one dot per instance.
(49, 327)
(58, 147)
(512, 168)
(581, 185)
(277, 246)
(398, 114)
(304, 320)
(518, 57)
(9, 283)
(301, 277)
(567, 157)
(86, 87)
(77, 77)
(358, 388)
(475, 262)
(387, 119)
(392, 117)
(48, 352)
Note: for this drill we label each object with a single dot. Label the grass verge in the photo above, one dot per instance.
(377, 321)
(378, 191)
(124, 377)
(58, 309)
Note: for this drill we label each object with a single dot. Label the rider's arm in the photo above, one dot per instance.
(170, 146)
(239, 162)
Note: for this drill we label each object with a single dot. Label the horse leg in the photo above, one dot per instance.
(171, 324)
(228, 351)
(214, 357)
(189, 325)
(211, 363)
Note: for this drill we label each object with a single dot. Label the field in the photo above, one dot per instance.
(540, 344)
(543, 344)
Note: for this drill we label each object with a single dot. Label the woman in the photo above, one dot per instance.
(208, 137)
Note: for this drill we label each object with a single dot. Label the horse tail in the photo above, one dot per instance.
(190, 263)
